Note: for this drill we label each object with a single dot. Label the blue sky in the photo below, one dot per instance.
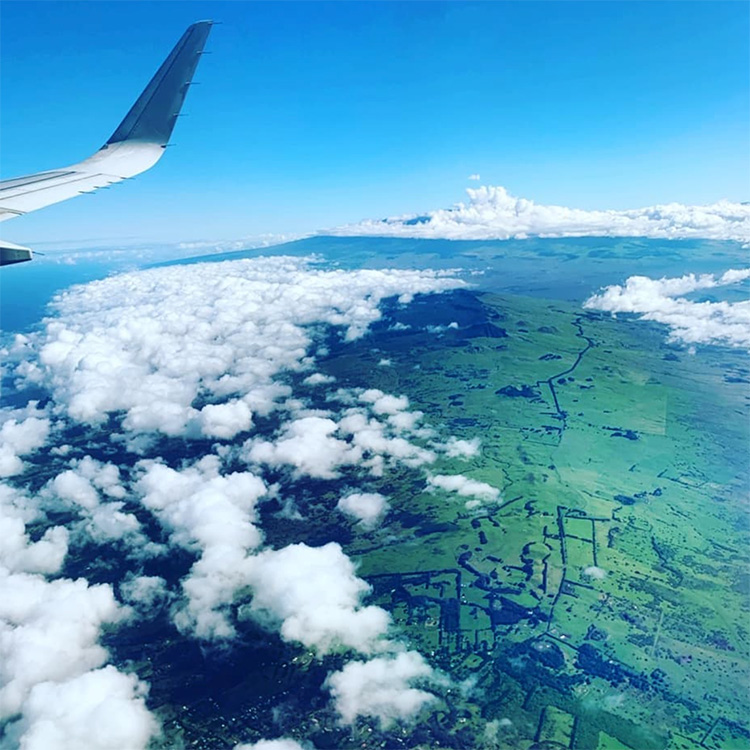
(319, 114)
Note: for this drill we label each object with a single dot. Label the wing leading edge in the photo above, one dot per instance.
(135, 146)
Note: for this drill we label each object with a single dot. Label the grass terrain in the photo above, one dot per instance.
(603, 602)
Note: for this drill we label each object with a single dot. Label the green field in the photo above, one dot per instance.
(603, 602)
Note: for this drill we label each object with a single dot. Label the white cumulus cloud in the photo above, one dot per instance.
(367, 507)
(689, 322)
(155, 344)
(594, 572)
(214, 516)
(481, 492)
(99, 710)
(314, 595)
(382, 687)
(19, 438)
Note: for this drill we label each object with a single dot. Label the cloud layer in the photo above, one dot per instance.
(493, 213)
(218, 360)
(690, 322)
(155, 344)
(54, 688)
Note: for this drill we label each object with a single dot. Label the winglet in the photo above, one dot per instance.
(151, 119)
(136, 145)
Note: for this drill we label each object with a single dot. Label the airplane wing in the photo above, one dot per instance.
(136, 145)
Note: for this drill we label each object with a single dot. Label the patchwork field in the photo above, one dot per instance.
(603, 601)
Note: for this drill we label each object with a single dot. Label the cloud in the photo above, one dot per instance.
(212, 515)
(465, 487)
(155, 344)
(474, 177)
(455, 448)
(493, 213)
(310, 446)
(151, 361)
(80, 487)
(17, 552)
(48, 632)
(383, 403)
(368, 507)
(19, 438)
(318, 378)
(248, 243)
(144, 592)
(689, 322)
(53, 689)
(225, 420)
(99, 710)
(367, 436)
(382, 688)
(314, 596)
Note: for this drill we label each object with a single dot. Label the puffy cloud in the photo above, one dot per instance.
(456, 448)
(144, 592)
(309, 445)
(48, 632)
(225, 420)
(53, 692)
(105, 477)
(80, 488)
(153, 343)
(367, 507)
(493, 213)
(17, 552)
(383, 403)
(99, 710)
(382, 688)
(19, 439)
(365, 436)
(212, 515)
(465, 487)
(318, 378)
(380, 439)
(689, 322)
(315, 597)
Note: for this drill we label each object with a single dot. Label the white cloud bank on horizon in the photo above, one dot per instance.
(689, 322)
(493, 213)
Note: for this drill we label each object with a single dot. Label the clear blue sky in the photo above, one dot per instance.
(317, 114)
